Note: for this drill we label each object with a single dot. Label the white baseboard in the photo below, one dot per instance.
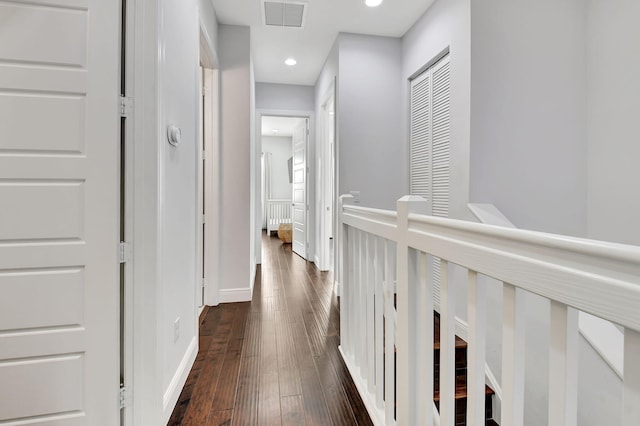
(235, 295)
(376, 414)
(172, 393)
(336, 288)
(252, 280)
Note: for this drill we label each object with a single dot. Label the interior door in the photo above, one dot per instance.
(59, 210)
(299, 196)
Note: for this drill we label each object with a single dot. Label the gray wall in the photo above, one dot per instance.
(445, 25)
(178, 88)
(284, 97)
(371, 151)
(235, 161)
(280, 149)
(613, 65)
(528, 111)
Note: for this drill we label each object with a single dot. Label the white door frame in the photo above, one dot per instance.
(260, 112)
(327, 161)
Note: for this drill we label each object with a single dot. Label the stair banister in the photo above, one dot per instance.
(596, 277)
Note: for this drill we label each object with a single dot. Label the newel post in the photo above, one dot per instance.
(407, 262)
(341, 276)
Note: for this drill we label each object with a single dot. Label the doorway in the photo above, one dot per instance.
(328, 184)
(284, 182)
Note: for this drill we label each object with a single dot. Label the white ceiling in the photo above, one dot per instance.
(283, 125)
(310, 46)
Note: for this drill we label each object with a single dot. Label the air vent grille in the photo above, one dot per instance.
(284, 14)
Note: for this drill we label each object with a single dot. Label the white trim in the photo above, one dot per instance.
(324, 150)
(377, 415)
(171, 395)
(310, 182)
(602, 335)
(252, 281)
(606, 339)
(235, 295)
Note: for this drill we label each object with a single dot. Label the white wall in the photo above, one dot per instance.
(235, 161)
(371, 151)
(280, 149)
(613, 66)
(445, 25)
(528, 111)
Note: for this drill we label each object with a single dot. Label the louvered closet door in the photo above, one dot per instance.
(430, 143)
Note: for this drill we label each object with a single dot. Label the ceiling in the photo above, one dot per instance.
(310, 45)
(283, 125)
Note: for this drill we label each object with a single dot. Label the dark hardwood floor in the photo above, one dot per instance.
(274, 360)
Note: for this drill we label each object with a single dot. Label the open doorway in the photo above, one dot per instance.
(207, 292)
(284, 188)
(328, 184)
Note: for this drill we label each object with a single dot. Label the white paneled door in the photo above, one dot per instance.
(299, 212)
(59, 192)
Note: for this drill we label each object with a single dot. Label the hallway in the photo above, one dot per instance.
(274, 360)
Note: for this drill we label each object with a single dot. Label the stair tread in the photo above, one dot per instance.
(461, 393)
(460, 344)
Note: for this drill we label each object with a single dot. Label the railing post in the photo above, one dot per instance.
(406, 267)
(513, 340)
(342, 259)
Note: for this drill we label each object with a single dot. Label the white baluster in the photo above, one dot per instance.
(344, 247)
(370, 315)
(631, 379)
(563, 366)
(357, 301)
(447, 346)
(513, 339)
(353, 285)
(425, 341)
(406, 345)
(476, 350)
(390, 339)
(379, 320)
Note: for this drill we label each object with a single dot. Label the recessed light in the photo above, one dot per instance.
(373, 3)
(290, 61)
(274, 131)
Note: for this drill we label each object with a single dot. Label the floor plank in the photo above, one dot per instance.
(275, 360)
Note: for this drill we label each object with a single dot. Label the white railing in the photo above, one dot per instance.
(278, 211)
(383, 252)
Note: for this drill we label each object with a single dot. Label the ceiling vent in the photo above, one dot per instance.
(284, 14)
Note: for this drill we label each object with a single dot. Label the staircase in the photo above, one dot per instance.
(461, 379)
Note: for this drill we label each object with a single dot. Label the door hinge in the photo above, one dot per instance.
(204, 219)
(124, 252)
(124, 397)
(126, 106)
(203, 282)
(204, 154)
